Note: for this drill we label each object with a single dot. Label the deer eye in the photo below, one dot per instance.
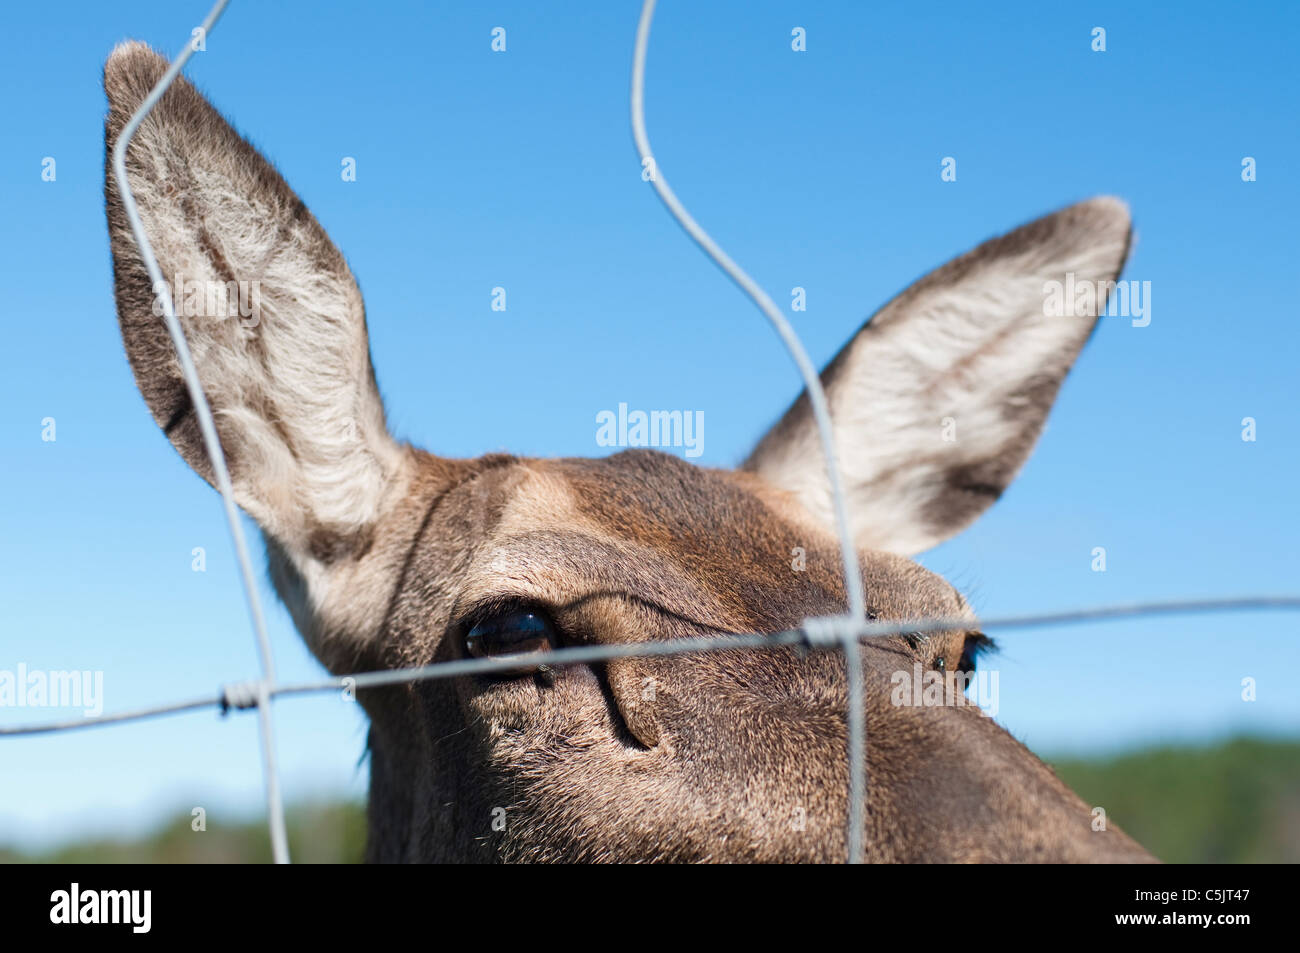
(508, 634)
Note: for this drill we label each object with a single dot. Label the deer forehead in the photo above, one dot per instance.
(542, 537)
(717, 547)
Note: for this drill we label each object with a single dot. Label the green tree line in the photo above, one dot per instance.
(1233, 802)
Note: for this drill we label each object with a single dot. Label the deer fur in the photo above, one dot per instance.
(386, 555)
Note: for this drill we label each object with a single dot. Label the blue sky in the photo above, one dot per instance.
(818, 169)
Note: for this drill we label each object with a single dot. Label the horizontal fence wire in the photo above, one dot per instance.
(842, 633)
(240, 695)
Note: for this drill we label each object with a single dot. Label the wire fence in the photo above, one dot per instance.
(837, 632)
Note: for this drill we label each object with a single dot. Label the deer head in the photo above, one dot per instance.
(388, 556)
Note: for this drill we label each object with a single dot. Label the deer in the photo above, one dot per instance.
(388, 556)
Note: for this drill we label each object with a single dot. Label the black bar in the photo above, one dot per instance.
(371, 903)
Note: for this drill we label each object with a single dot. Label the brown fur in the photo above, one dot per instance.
(723, 756)
(716, 766)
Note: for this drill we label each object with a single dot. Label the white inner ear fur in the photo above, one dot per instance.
(292, 392)
(964, 349)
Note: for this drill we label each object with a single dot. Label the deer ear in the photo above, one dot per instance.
(939, 398)
(271, 312)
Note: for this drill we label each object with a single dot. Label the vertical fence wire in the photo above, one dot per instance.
(203, 413)
(211, 441)
(848, 628)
